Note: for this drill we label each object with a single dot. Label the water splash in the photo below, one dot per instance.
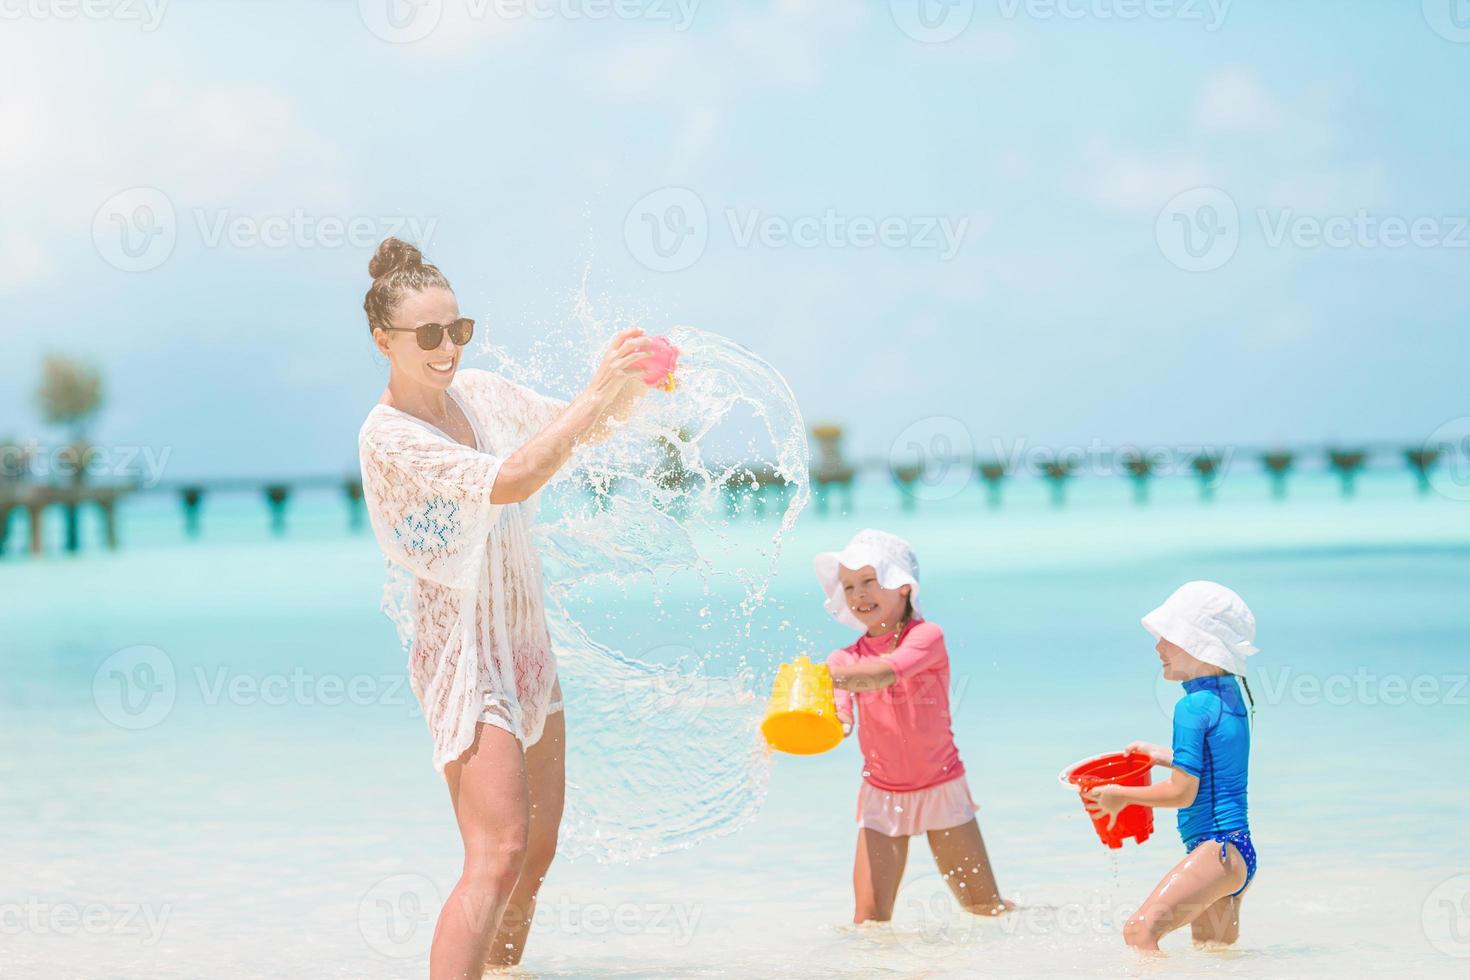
(659, 552)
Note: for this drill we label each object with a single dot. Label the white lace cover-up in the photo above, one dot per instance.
(464, 579)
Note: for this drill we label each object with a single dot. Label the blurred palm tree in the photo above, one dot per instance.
(70, 396)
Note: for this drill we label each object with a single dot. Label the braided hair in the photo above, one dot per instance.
(398, 270)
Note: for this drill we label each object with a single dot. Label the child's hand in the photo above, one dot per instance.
(1105, 799)
(1160, 755)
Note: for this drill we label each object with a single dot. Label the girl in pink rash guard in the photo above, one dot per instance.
(897, 677)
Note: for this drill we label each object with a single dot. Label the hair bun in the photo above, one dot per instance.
(393, 253)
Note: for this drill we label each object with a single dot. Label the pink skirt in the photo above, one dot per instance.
(905, 814)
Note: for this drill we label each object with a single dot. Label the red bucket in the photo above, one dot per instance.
(1116, 769)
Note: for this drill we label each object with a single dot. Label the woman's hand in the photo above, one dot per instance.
(1105, 799)
(1160, 755)
(618, 382)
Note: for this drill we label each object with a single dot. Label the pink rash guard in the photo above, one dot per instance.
(904, 729)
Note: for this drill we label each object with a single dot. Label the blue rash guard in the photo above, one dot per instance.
(1212, 742)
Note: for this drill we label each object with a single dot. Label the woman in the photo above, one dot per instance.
(452, 465)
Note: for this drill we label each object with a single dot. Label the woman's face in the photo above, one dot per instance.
(874, 606)
(434, 368)
(1179, 665)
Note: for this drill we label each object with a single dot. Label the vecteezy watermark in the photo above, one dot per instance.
(932, 21)
(136, 687)
(674, 694)
(1447, 456)
(407, 21)
(678, 921)
(1200, 230)
(667, 230)
(933, 458)
(1210, 14)
(1450, 19)
(1445, 916)
(938, 21)
(303, 688)
(1099, 458)
(140, 465)
(396, 915)
(1360, 686)
(147, 14)
(129, 920)
(137, 229)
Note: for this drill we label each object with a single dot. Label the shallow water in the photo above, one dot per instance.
(280, 817)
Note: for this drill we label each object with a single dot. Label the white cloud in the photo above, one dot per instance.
(24, 261)
(1234, 101)
(1126, 180)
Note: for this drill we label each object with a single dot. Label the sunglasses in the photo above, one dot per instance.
(431, 335)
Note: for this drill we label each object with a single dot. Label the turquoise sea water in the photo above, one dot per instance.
(272, 811)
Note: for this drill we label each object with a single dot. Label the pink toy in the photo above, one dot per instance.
(659, 363)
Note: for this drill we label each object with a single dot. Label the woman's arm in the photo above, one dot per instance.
(610, 395)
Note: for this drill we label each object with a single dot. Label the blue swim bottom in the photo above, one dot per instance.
(1242, 841)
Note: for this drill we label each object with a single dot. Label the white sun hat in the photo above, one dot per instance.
(893, 563)
(1209, 622)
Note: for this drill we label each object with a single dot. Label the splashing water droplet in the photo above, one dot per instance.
(650, 533)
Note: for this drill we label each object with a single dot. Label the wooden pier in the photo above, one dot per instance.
(750, 491)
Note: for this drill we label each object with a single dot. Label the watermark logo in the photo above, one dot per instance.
(1450, 19)
(933, 458)
(667, 230)
(148, 14)
(136, 229)
(1209, 13)
(1450, 472)
(401, 21)
(673, 697)
(932, 21)
(928, 922)
(136, 687)
(1198, 230)
(396, 916)
(130, 920)
(1446, 917)
(677, 923)
(1360, 686)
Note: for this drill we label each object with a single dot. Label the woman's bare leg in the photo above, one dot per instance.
(876, 874)
(488, 788)
(1195, 885)
(960, 854)
(546, 772)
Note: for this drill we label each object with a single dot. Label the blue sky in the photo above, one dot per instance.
(1063, 145)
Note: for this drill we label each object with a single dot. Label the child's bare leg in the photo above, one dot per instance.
(960, 854)
(876, 874)
(1195, 884)
(1220, 923)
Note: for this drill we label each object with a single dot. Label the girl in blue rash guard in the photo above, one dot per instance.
(1204, 632)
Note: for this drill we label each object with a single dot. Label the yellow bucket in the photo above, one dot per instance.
(802, 716)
